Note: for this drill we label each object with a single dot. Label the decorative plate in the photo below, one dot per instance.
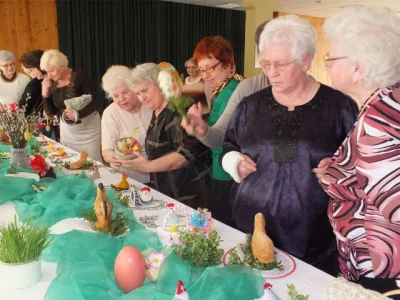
(152, 205)
(5, 155)
(288, 262)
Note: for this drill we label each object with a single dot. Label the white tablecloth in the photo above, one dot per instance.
(307, 279)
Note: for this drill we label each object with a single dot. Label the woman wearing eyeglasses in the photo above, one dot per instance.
(277, 136)
(363, 177)
(215, 58)
(12, 83)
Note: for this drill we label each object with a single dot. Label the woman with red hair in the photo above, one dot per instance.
(215, 60)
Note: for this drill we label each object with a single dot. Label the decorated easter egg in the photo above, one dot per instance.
(129, 269)
(27, 136)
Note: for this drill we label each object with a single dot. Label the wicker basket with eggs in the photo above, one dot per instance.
(126, 147)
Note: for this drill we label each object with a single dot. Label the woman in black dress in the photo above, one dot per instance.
(31, 99)
(178, 163)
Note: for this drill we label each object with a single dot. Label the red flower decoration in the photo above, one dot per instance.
(38, 163)
(170, 204)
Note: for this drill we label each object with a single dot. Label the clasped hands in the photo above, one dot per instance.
(140, 163)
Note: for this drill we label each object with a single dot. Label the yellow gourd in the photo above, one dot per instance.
(262, 246)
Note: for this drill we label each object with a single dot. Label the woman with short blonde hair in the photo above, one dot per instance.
(79, 126)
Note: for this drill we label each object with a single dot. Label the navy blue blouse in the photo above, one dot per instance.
(286, 146)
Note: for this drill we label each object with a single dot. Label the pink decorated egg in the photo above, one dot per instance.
(130, 269)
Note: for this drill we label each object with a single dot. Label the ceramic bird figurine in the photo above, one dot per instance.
(123, 184)
(268, 294)
(95, 175)
(79, 163)
(50, 147)
(102, 209)
(181, 293)
(262, 246)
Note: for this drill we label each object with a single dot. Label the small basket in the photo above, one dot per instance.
(127, 141)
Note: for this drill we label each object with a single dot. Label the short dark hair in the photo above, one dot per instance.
(31, 59)
(259, 30)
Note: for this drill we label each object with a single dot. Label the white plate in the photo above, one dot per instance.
(288, 262)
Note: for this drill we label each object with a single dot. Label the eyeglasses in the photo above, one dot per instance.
(8, 66)
(328, 60)
(266, 65)
(209, 70)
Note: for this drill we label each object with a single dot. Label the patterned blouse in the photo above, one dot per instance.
(363, 181)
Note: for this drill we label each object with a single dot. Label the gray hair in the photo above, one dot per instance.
(6, 55)
(114, 77)
(53, 58)
(290, 29)
(144, 73)
(371, 38)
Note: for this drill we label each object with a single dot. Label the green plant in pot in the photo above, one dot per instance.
(21, 246)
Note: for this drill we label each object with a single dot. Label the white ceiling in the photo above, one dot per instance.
(317, 8)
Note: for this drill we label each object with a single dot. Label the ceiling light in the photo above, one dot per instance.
(229, 5)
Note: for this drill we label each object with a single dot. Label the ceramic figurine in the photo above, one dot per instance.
(201, 220)
(102, 209)
(262, 246)
(50, 146)
(268, 294)
(123, 184)
(154, 262)
(96, 174)
(181, 293)
(79, 163)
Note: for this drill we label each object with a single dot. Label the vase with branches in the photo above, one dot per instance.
(19, 128)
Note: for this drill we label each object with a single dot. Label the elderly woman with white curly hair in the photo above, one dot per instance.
(79, 125)
(277, 136)
(125, 117)
(363, 177)
(12, 83)
(178, 163)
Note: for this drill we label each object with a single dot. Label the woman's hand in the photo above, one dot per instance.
(196, 125)
(246, 167)
(46, 85)
(70, 114)
(115, 162)
(321, 168)
(141, 163)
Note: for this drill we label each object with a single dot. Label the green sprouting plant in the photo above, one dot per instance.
(67, 165)
(180, 104)
(123, 199)
(21, 243)
(294, 294)
(234, 258)
(198, 249)
(88, 165)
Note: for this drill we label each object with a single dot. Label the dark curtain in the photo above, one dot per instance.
(97, 34)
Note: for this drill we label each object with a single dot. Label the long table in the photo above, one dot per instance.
(307, 279)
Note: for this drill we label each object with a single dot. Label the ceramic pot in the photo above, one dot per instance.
(19, 158)
(20, 276)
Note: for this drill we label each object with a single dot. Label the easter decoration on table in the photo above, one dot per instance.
(258, 253)
(38, 163)
(122, 185)
(81, 164)
(198, 244)
(130, 269)
(171, 226)
(96, 174)
(262, 246)
(268, 294)
(50, 146)
(181, 293)
(100, 217)
(142, 196)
